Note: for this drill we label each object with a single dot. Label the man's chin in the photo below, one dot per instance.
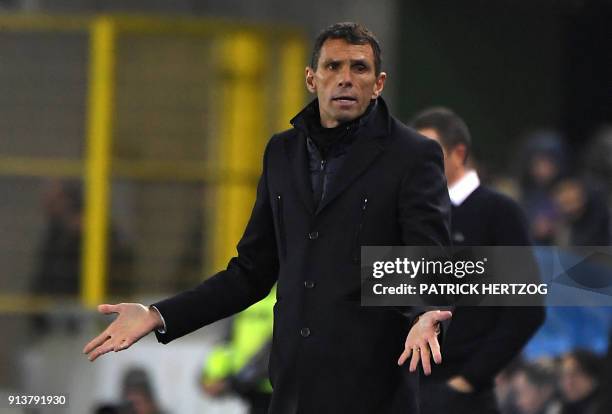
(348, 116)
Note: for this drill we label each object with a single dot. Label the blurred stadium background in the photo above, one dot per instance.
(131, 138)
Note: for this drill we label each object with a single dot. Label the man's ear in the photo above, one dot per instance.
(379, 85)
(460, 151)
(310, 82)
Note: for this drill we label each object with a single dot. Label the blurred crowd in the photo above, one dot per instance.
(573, 383)
(567, 197)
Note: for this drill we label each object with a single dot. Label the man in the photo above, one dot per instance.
(481, 340)
(347, 174)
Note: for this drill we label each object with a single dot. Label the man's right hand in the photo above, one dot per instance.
(132, 323)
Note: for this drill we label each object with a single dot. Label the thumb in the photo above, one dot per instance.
(443, 315)
(106, 309)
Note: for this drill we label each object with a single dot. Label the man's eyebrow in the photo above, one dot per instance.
(330, 60)
(364, 62)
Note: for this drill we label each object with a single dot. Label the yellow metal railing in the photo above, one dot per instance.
(243, 55)
(99, 140)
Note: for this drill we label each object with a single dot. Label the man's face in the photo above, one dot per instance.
(345, 81)
(453, 160)
(575, 383)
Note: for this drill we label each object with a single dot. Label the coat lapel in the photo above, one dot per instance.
(297, 154)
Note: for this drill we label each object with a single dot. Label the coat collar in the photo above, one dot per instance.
(367, 146)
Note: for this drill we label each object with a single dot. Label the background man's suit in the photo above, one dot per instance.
(329, 355)
(481, 340)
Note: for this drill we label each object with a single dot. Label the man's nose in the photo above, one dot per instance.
(345, 77)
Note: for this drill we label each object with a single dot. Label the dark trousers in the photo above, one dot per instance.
(436, 397)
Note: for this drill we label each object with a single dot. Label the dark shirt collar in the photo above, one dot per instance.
(327, 139)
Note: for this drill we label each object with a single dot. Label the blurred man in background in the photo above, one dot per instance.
(328, 187)
(544, 164)
(535, 385)
(138, 396)
(481, 340)
(584, 216)
(581, 373)
(59, 266)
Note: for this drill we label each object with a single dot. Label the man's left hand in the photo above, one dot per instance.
(422, 341)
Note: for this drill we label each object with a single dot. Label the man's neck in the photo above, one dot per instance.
(332, 122)
(329, 123)
(454, 180)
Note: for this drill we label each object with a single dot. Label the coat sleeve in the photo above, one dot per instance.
(247, 279)
(424, 207)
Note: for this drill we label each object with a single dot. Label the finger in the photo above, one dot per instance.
(404, 356)
(106, 309)
(124, 344)
(119, 346)
(414, 362)
(101, 350)
(435, 350)
(426, 360)
(443, 315)
(96, 342)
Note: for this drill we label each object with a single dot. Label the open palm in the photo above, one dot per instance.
(132, 323)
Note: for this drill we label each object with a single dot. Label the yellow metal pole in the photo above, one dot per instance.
(243, 61)
(292, 85)
(97, 164)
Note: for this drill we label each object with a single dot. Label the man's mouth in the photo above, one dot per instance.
(344, 99)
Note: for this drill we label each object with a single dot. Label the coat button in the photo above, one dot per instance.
(309, 284)
(305, 332)
(313, 235)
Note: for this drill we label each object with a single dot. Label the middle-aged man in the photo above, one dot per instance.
(347, 174)
(481, 340)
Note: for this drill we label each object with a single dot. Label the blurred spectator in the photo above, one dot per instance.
(240, 366)
(137, 393)
(504, 390)
(535, 389)
(598, 160)
(108, 409)
(585, 219)
(543, 164)
(60, 252)
(579, 383)
(605, 406)
(58, 270)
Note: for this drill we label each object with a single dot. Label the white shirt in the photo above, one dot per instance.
(462, 189)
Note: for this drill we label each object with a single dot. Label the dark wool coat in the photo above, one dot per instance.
(329, 354)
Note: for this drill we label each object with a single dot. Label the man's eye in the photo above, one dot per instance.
(332, 66)
(360, 68)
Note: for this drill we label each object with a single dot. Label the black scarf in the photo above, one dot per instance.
(328, 140)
